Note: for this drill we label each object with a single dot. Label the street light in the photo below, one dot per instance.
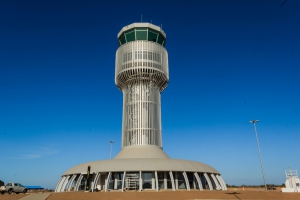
(261, 163)
(111, 142)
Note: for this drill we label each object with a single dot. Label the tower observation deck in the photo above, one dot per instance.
(141, 73)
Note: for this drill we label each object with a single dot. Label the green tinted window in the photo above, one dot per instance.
(141, 35)
(152, 36)
(122, 39)
(141, 29)
(160, 39)
(130, 36)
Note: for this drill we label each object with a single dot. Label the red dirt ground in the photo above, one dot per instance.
(162, 195)
(12, 196)
(178, 195)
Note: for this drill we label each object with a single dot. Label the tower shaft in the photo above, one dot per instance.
(141, 114)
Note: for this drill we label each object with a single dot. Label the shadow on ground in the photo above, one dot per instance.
(234, 194)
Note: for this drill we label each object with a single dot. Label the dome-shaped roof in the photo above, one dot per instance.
(142, 164)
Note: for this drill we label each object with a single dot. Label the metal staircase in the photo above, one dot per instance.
(132, 182)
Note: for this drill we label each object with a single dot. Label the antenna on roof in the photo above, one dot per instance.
(151, 21)
(141, 17)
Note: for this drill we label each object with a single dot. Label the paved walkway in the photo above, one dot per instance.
(37, 196)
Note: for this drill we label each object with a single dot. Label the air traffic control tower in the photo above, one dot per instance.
(142, 73)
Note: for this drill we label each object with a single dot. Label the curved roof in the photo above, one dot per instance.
(141, 158)
(141, 164)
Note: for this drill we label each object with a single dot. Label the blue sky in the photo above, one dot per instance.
(229, 61)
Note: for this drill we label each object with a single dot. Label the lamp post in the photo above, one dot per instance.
(111, 142)
(261, 163)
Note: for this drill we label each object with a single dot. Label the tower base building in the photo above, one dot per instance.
(142, 73)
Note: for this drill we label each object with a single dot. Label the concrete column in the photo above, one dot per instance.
(58, 184)
(116, 181)
(71, 181)
(123, 181)
(216, 182)
(141, 182)
(107, 182)
(176, 180)
(78, 182)
(64, 184)
(208, 181)
(222, 180)
(186, 181)
(198, 181)
(172, 180)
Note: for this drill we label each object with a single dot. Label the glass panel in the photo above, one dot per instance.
(203, 181)
(129, 56)
(145, 55)
(140, 54)
(111, 184)
(111, 181)
(181, 181)
(160, 177)
(191, 179)
(147, 180)
(141, 28)
(130, 36)
(160, 39)
(74, 183)
(82, 183)
(149, 55)
(141, 35)
(119, 185)
(122, 39)
(152, 35)
(169, 183)
(66, 186)
(119, 177)
(212, 181)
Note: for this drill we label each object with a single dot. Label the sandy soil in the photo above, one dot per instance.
(178, 195)
(162, 195)
(12, 196)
